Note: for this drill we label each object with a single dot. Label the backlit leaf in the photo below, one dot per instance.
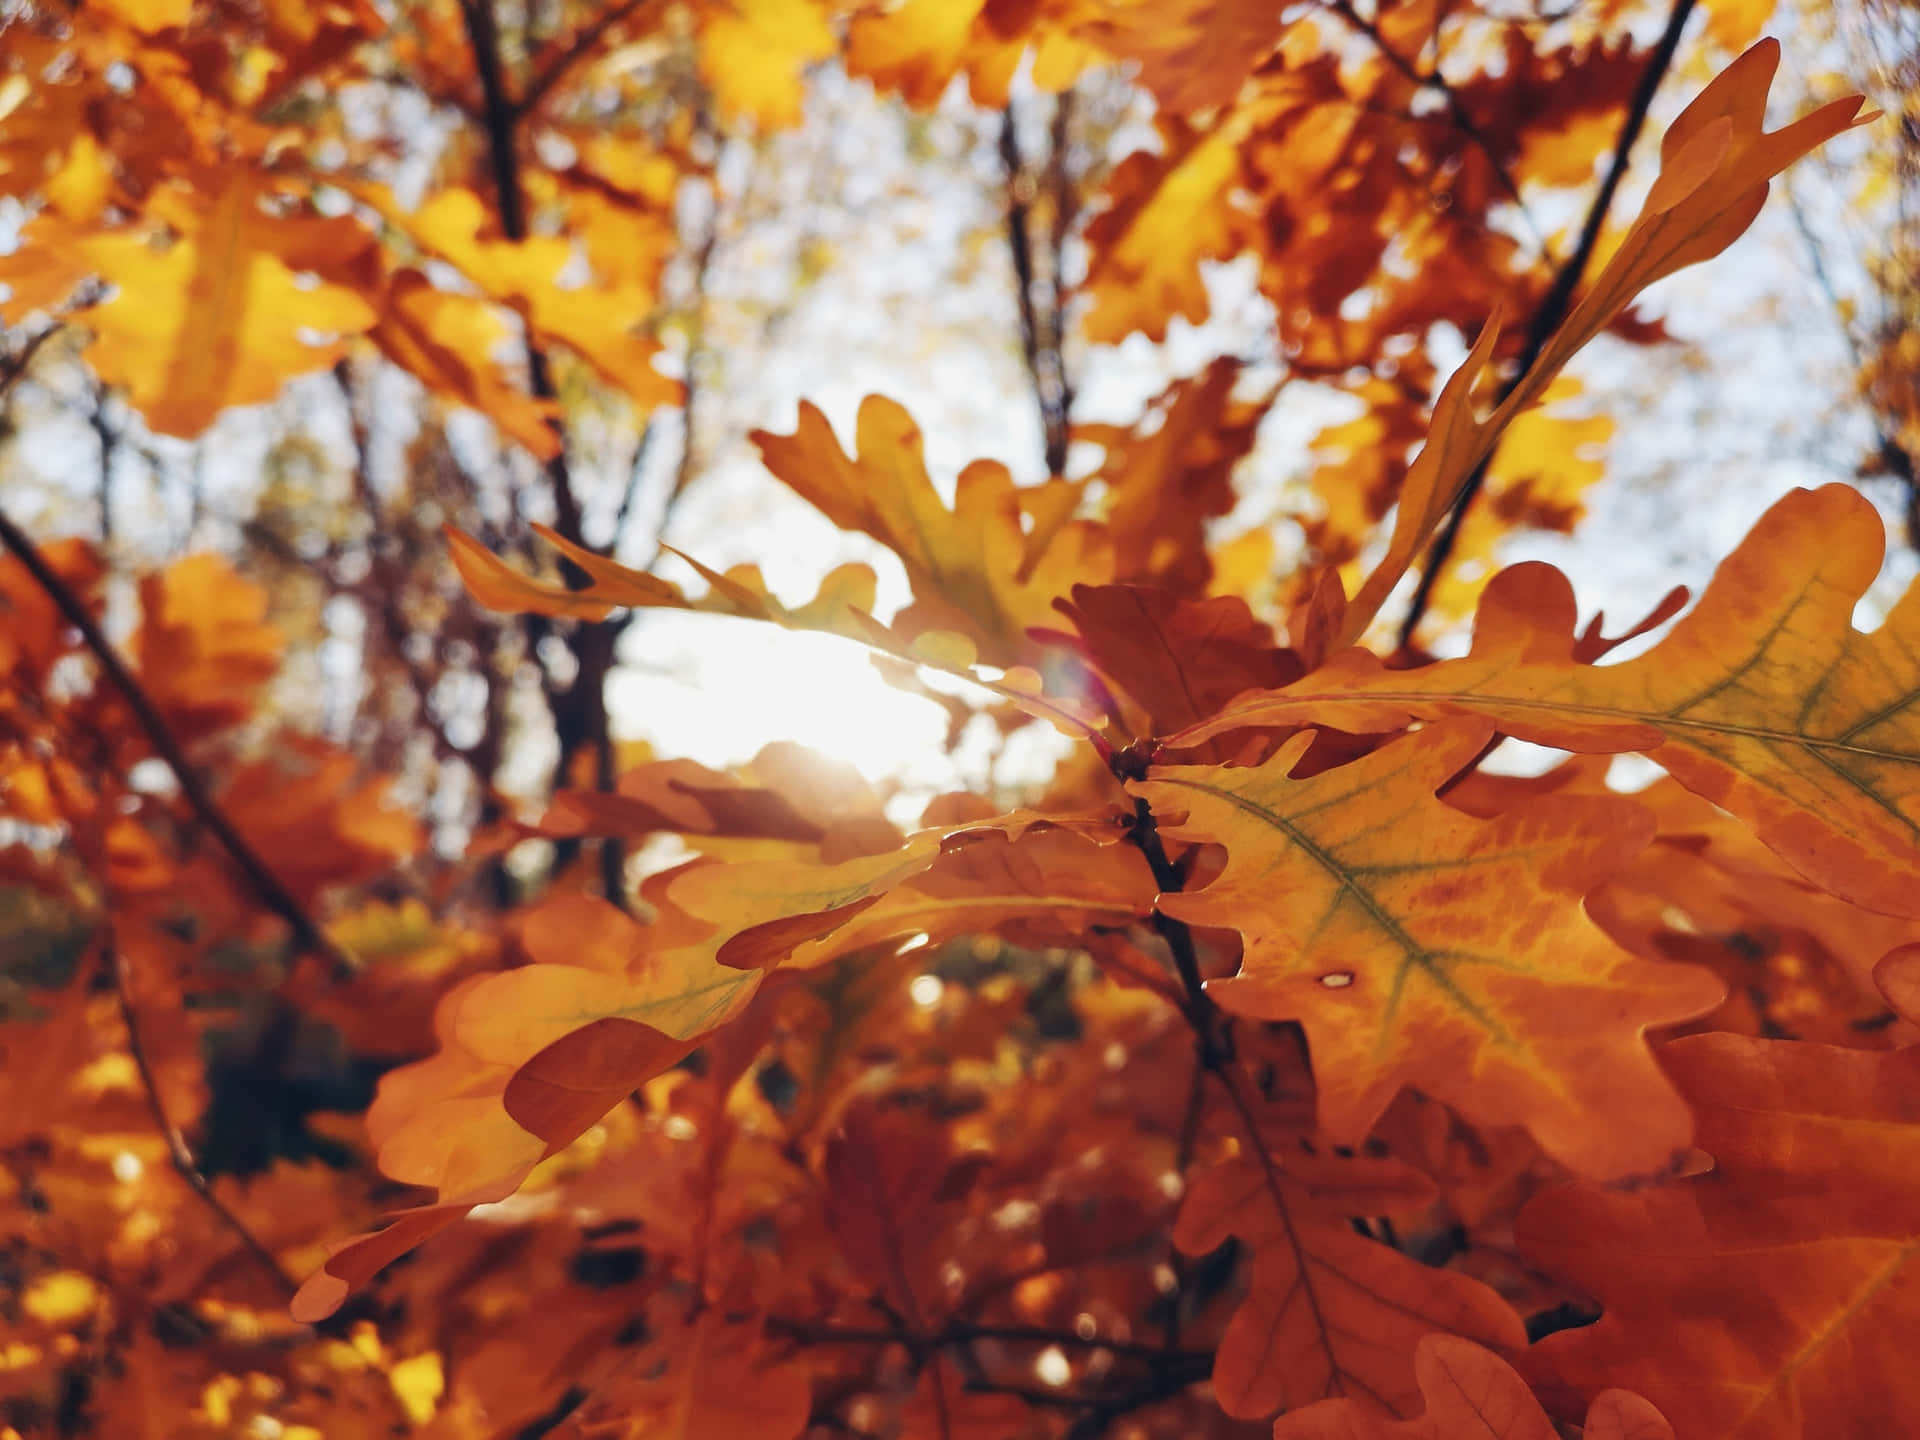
(1769, 1296)
(1763, 699)
(1421, 947)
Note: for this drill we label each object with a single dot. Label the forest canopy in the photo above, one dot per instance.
(811, 718)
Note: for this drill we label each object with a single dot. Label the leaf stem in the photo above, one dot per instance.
(1199, 1008)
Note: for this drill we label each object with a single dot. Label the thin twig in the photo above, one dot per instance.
(1888, 449)
(1199, 1008)
(388, 578)
(1558, 301)
(501, 119)
(580, 711)
(553, 68)
(269, 886)
(16, 365)
(178, 1151)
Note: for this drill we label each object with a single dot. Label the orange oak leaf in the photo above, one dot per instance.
(1763, 699)
(204, 649)
(1472, 1394)
(1421, 947)
(601, 323)
(1171, 473)
(1716, 160)
(34, 633)
(841, 606)
(1328, 1313)
(968, 565)
(1772, 1296)
(607, 1004)
(1044, 887)
(314, 820)
(787, 792)
(570, 1084)
(892, 1180)
(707, 1377)
(1898, 976)
(1181, 660)
(752, 53)
(1192, 56)
(446, 340)
(1167, 213)
(766, 908)
(1798, 961)
(738, 592)
(916, 48)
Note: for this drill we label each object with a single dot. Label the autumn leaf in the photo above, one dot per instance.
(315, 822)
(1180, 660)
(1194, 56)
(204, 648)
(769, 907)
(914, 49)
(1716, 160)
(1769, 1295)
(603, 324)
(1169, 476)
(1472, 1394)
(840, 606)
(1044, 887)
(215, 317)
(1328, 1313)
(714, 1379)
(1167, 213)
(34, 634)
(752, 53)
(446, 340)
(1763, 699)
(1420, 947)
(1797, 960)
(968, 564)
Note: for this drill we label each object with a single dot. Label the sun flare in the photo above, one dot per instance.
(717, 692)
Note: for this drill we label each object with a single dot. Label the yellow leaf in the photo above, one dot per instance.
(418, 1383)
(752, 53)
(61, 1299)
(214, 319)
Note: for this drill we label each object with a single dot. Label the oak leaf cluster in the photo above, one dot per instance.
(1275, 1067)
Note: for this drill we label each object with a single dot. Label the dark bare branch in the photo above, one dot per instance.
(307, 936)
(178, 1151)
(1558, 300)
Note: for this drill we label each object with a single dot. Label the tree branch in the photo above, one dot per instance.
(178, 1151)
(271, 889)
(1040, 326)
(501, 119)
(563, 56)
(1558, 301)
